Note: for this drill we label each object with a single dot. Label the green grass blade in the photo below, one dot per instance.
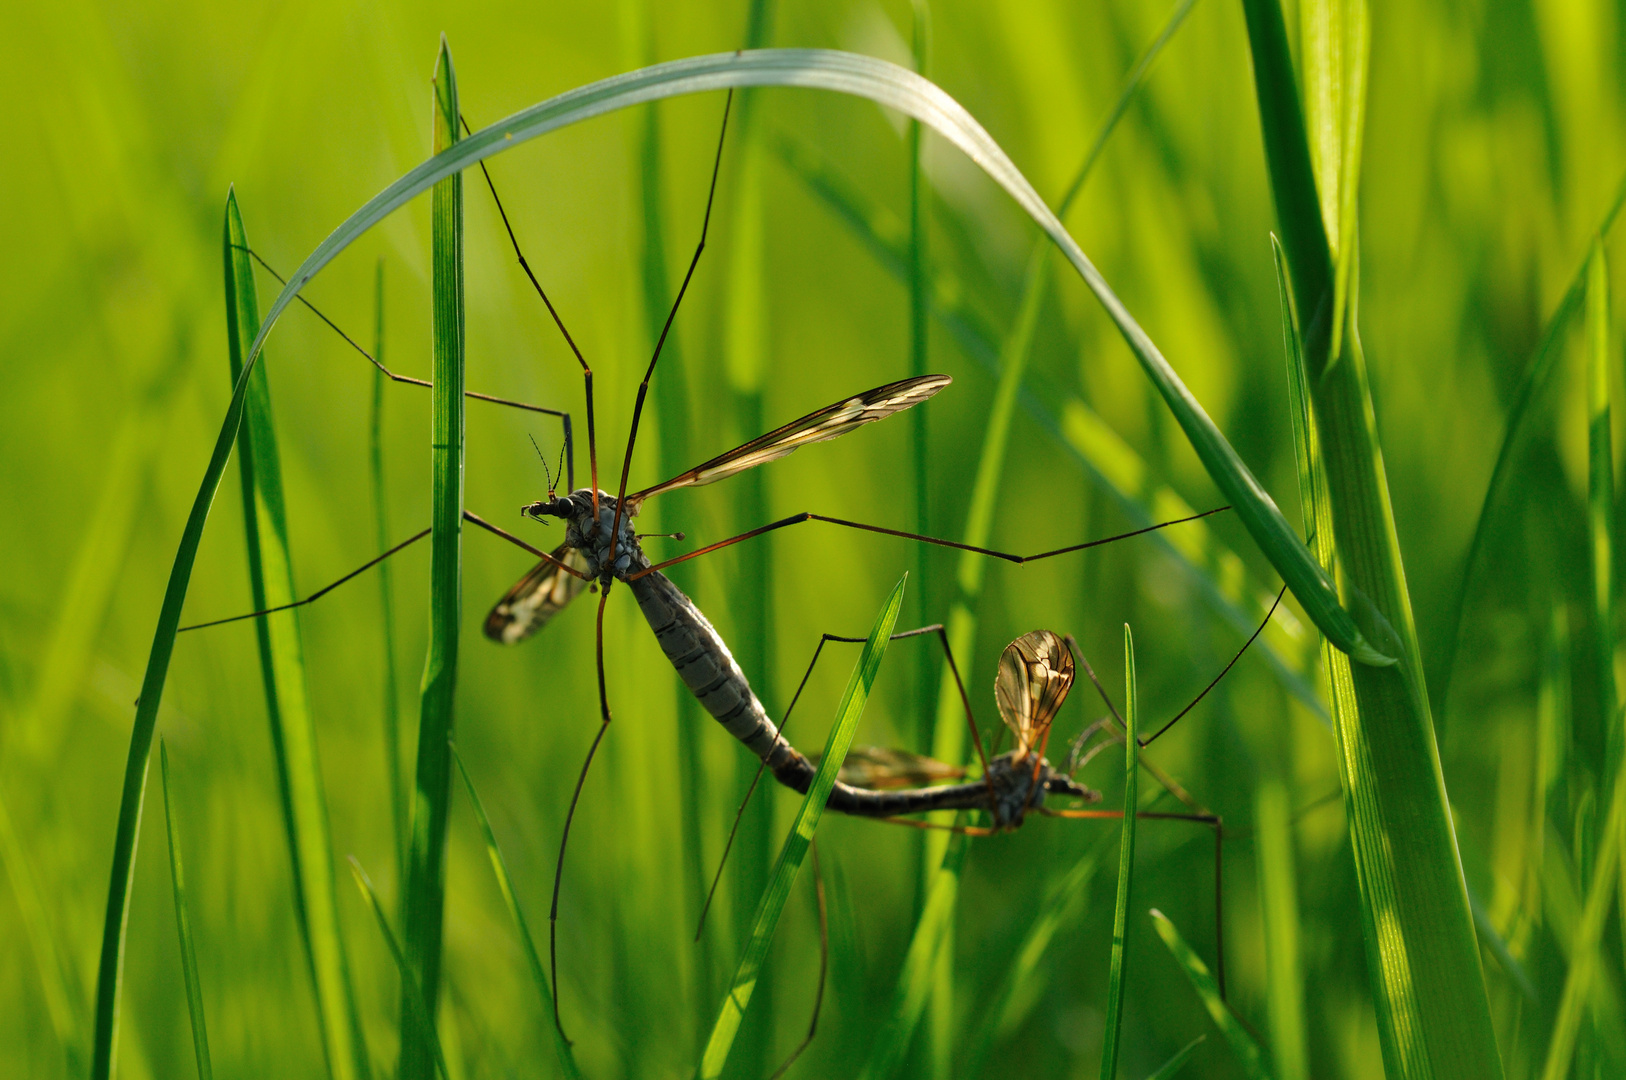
(1173, 1066)
(282, 668)
(920, 965)
(794, 851)
(1278, 892)
(61, 1003)
(1247, 1051)
(1423, 955)
(386, 592)
(499, 867)
(1536, 373)
(418, 1016)
(1126, 864)
(1585, 951)
(183, 924)
(1024, 982)
(426, 866)
(1601, 500)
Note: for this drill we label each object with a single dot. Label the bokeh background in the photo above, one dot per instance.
(1493, 146)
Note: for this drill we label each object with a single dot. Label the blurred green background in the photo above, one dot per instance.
(1493, 145)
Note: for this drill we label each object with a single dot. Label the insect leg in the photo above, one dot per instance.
(797, 519)
(570, 816)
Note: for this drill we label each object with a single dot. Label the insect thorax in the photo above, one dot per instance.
(593, 541)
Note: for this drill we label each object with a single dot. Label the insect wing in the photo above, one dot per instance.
(1035, 673)
(828, 423)
(878, 768)
(536, 597)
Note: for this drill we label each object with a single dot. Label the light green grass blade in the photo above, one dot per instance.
(894, 87)
(183, 925)
(1126, 864)
(1278, 893)
(499, 867)
(1585, 952)
(1428, 987)
(1248, 1053)
(426, 863)
(920, 965)
(1536, 373)
(794, 851)
(1601, 499)
(61, 1003)
(1173, 1066)
(418, 1015)
(1025, 981)
(386, 592)
(1083, 437)
(282, 668)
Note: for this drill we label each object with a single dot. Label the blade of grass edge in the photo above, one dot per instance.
(282, 669)
(794, 851)
(183, 926)
(533, 960)
(1170, 1068)
(419, 1015)
(1601, 501)
(1126, 864)
(425, 893)
(1247, 1051)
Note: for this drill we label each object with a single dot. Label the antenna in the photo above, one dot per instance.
(544, 462)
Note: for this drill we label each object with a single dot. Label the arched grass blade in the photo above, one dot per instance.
(418, 1016)
(183, 925)
(1126, 864)
(794, 851)
(920, 965)
(1248, 1053)
(1169, 1069)
(425, 895)
(499, 867)
(282, 669)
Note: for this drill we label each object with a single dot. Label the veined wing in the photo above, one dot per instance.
(827, 423)
(1035, 673)
(877, 768)
(536, 597)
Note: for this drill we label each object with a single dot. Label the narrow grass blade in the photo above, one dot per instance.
(1172, 1067)
(1278, 892)
(189, 956)
(920, 965)
(499, 867)
(1424, 958)
(1585, 952)
(1024, 983)
(1126, 864)
(426, 866)
(1248, 1053)
(418, 1016)
(282, 669)
(1536, 373)
(386, 593)
(794, 851)
(1601, 501)
(61, 1003)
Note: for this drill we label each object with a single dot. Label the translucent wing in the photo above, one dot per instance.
(878, 768)
(1035, 673)
(827, 423)
(536, 598)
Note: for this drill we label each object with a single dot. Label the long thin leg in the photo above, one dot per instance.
(396, 376)
(475, 519)
(825, 639)
(570, 816)
(824, 966)
(643, 387)
(797, 519)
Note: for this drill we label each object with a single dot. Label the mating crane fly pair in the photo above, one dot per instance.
(601, 547)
